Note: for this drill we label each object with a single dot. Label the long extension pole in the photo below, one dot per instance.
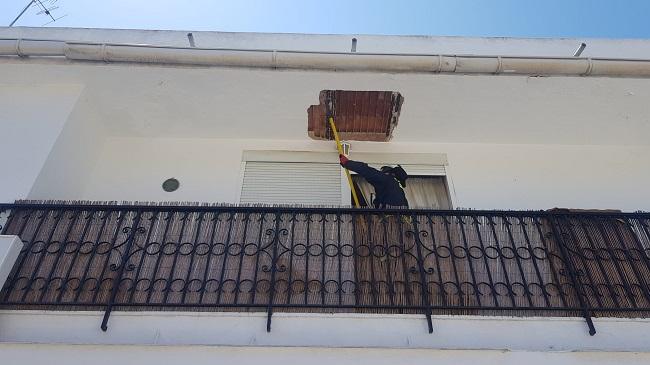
(347, 172)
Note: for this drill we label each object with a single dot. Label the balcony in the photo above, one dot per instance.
(272, 259)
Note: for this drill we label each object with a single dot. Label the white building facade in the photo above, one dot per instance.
(91, 115)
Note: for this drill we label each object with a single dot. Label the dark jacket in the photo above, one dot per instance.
(388, 191)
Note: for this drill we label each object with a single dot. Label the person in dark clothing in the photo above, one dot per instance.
(389, 182)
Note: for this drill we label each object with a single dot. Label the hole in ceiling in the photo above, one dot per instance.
(358, 115)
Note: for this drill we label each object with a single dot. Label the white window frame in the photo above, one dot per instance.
(438, 162)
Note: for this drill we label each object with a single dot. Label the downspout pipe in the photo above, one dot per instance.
(328, 61)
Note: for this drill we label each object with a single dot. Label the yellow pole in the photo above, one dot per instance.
(347, 172)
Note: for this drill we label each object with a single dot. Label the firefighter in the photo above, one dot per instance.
(389, 182)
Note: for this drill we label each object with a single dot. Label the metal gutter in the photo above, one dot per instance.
(328, 61)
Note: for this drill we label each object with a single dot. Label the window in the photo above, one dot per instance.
(426, 187)
(315, 178)
(291, 183)
(422, 192)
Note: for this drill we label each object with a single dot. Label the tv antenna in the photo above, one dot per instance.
(43, 7)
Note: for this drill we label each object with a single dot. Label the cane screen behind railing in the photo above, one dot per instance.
(270, 259)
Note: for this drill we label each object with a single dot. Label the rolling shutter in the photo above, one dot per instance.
(419, 170)
(427, 170)
(291, 183)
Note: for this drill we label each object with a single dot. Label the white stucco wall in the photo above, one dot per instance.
(482, 176)
(31, 118)
(28, 337)
(333, 330)
(511, 142)
(27, 354)
(65, 172)
(219, 102)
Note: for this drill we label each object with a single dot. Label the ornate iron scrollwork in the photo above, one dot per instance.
(271, 258)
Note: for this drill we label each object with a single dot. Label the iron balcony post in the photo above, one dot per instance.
(584, 305)
(135, 228)
(423, 276)
(276, 237)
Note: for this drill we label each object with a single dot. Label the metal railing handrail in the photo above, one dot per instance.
(205, 207)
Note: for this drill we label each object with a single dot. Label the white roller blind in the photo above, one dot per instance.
(435, 170)
(291, 183)
(415, 170)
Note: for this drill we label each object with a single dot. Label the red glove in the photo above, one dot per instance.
(344, 160)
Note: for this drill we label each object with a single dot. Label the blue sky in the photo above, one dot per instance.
(518, 18)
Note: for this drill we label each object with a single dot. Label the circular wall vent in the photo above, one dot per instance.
(170, 185)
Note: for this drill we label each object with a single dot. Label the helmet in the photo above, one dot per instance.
(397, 171)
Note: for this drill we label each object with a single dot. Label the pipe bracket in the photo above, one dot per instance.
(499, 65)
(590, 67)
(103, 53)
(19, 52)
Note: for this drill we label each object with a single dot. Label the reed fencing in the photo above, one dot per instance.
(228, 258)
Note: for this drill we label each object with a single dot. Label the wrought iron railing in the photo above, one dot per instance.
(327, 259)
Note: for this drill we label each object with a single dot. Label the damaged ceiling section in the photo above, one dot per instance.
(358, 115)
